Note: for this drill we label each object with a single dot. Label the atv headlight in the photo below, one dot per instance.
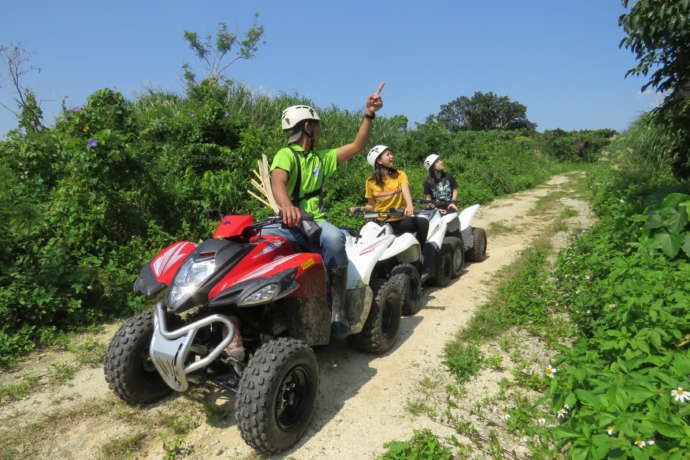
(265, 294)
(188, 279)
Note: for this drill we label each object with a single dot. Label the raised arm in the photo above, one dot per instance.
(347, 151)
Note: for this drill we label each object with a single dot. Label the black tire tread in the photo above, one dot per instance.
(444, 276)
(475, 254)
(372, 339)
(451, 243)
(253, 405)
(121, 362)
(413, 300)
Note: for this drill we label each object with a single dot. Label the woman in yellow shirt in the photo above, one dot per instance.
(388, 188)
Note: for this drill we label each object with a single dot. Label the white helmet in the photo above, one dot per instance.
(374, 153)
(430, 160)
(296, 113)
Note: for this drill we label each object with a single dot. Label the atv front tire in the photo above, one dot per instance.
(380, 331)
(412, 301)
(277, 391)
(478, 251)
(129, 371)
(443, 275)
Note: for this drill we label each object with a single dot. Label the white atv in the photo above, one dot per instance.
(377, 252)
(451, 239)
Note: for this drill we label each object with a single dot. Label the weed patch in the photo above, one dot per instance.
(61, 372)
(423, 445)
(464, 361)
(19, 390)
(124, 447)
(89, 353)
(499, 228)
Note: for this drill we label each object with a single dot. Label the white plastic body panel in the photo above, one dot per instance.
(405, 248)
(452, 222)
(466, 216)
(364, 253)
(437, 229)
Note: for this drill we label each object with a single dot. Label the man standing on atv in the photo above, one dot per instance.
(298, 176)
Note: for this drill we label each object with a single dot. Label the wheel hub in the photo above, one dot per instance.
(291, 397)
(457, 259)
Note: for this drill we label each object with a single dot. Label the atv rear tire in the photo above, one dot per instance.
(380, 331)
(129, 371)
(277, 391)
(478, 251)
(412, 301)
(454, 245)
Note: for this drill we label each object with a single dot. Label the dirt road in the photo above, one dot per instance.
(362, 399)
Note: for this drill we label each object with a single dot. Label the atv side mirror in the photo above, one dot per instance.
(213, 214)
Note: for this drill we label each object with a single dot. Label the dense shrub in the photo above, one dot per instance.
(583, 145)
(86, 202)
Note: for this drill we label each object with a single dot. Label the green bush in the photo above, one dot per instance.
(86, 202)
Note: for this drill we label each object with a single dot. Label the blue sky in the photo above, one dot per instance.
(559, 58)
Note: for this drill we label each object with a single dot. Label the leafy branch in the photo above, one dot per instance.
(214, 53)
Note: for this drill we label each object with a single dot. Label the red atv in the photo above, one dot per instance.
(242, 311)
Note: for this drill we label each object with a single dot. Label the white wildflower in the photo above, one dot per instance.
(610, 430)
(541, 421)
(680, 395)
(561, 413)
(550, 371)
(640, 443)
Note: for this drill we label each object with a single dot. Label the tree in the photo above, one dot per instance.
(658, 33)
(482, 112)
(28, 112)
(213, 55)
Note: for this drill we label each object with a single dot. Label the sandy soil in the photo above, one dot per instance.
(362, 399)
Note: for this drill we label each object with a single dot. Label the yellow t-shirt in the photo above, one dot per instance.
(390, 195)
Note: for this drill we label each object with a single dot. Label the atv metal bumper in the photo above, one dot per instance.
(170, 350)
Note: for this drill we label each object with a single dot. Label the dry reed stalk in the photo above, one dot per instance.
(264, 185)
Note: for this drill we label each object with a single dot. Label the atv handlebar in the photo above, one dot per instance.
(381, 215)
(308, 225)
(441, 204)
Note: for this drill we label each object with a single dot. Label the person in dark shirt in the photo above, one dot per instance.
(440, 185)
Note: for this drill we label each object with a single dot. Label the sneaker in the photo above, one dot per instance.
(235, 352)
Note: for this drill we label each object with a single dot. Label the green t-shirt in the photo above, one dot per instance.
(316, 167)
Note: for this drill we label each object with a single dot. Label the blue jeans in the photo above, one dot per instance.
(332, 241)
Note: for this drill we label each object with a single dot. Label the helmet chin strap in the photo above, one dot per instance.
(310, 140)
